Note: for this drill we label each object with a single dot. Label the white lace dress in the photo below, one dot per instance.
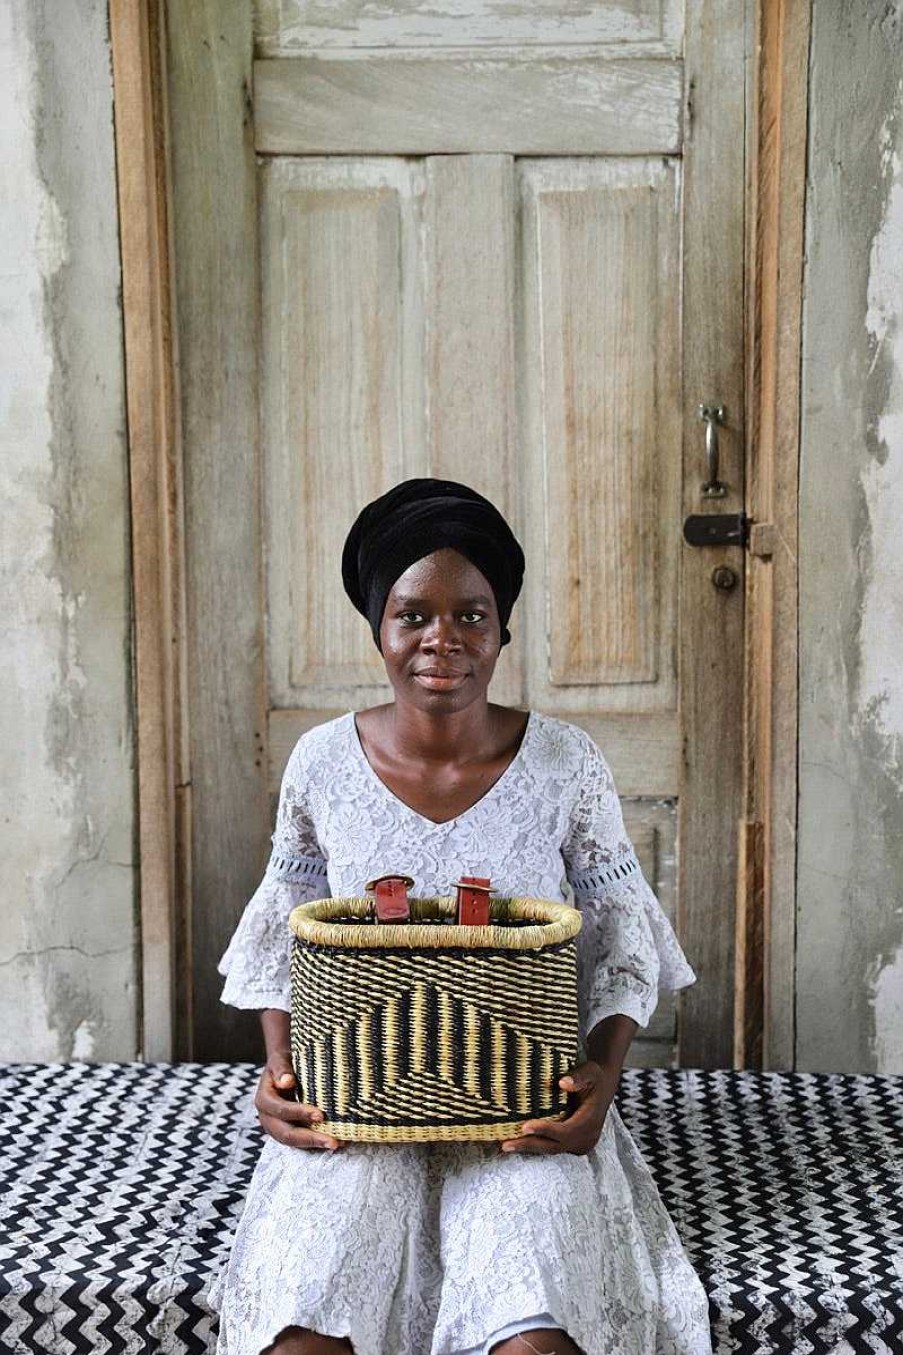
(431, 1249)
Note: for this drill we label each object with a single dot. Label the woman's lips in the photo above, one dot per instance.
(439, 681)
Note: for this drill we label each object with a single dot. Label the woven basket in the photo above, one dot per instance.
(426, 1030)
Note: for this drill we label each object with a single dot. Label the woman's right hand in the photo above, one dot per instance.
(286, 1120)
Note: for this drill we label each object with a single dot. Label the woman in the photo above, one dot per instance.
(553, 1242)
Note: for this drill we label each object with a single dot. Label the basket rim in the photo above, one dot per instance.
(555, 923)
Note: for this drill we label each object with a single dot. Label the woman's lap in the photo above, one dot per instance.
(506, 1225)
(434, 1248)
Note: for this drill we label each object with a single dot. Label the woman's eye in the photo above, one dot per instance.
(412, 618)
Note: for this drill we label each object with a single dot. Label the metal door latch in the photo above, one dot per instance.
(717, 529)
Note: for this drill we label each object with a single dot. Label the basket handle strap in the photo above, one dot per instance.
(390, 896)
(473, 901)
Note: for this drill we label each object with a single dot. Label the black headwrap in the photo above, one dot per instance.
(416, 518)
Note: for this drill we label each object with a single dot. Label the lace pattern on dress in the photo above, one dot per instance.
(594, 880)
(294, 869)
(618, 963)
(627, 948)
(256, 964)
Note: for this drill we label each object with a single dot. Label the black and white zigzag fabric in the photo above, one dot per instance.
(787, 1190)
(120, 1186)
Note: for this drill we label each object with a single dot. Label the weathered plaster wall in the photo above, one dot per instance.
(67, 879)
(850, 917)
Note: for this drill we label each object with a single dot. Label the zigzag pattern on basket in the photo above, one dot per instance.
(465, 1042)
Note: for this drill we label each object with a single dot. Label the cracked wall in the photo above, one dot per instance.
(67, 870)
(850, 901)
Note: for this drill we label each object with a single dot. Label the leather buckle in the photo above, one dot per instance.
(390, 897)
(473, 901)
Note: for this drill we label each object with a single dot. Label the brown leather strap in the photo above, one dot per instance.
(390, 896)
(473, 901)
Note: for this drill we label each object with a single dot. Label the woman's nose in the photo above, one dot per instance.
(442, 635)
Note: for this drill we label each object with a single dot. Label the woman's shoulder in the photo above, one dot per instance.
(562, 744)
(320, 744)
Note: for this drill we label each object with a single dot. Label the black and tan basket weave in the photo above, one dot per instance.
(426, 1030)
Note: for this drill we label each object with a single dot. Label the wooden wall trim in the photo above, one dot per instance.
(764, 1029)
(156, 508)
(216, 285)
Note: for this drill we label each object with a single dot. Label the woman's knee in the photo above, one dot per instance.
(300, 1341)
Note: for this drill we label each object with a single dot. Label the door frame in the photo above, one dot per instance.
(765, 971)
(169, 682)
(156, 524)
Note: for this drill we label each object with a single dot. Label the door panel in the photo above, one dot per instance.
(290, 27)
(378, 363)
(600, 383)
(342, 399)
(447, 105)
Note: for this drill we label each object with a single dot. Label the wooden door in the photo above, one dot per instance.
(502, 245)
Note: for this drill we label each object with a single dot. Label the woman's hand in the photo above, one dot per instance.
(594, 1088)
(286, 1120)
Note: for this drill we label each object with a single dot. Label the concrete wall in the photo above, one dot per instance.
(67, 870)
(850, 907)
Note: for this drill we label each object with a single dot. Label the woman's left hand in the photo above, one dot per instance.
(594, 1088)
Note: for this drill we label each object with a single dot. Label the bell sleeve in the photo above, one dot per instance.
(626, 949)
(256, 963)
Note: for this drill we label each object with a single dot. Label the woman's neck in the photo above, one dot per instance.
(456, 736)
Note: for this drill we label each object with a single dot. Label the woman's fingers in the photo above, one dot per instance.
(550, 1129)
(284, 1118)
(582, 1077)
(290, 1112)
(270, 1101)
(536, 1136)
(585, 1114)
(579, 1131)
(569, 1139)
(279, 1066)
(296, 1136)
(533, 1144)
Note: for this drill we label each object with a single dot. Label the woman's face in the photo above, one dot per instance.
(440, 633)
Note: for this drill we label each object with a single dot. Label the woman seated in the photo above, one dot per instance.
(551, 1243)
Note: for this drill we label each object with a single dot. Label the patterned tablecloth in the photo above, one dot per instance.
(120, 1186)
